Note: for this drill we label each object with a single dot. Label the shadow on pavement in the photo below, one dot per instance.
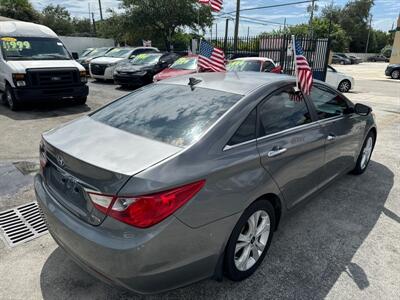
(313, 247)
(44, 109)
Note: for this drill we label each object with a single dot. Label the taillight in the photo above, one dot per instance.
(148, 210)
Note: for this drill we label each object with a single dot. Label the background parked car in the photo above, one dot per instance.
(103, 67)
(256, 64)
(35, 65)
(96, 52)
(183, 66)
(353, 59)
(85, 52)
(393, 71)
(336, 59)
(141, 69)
(338, 80)
(378, 57)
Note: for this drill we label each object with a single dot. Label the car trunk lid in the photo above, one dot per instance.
(101, 158)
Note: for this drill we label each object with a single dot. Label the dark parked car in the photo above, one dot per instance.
(336, 59)
(378, 57)
(141, 69)
(353, 59)
(393, 71)
(188, 178)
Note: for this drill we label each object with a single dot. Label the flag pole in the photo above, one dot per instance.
(295, 62)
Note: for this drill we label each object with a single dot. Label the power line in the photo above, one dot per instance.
(268, 6)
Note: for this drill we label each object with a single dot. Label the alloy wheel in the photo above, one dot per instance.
(344, 86)
(396, 74)
(252, 240)
(366, 153)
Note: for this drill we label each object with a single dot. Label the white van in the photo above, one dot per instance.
(35, 65)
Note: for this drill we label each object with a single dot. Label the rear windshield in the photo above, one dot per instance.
(168, 113)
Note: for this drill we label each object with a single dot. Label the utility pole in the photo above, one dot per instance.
(216, 31)
(284, 25)
(248, 32)
(226, 34)
(369, 33)
(310, 25)
(94, 24)
(237, 20)
(90, 23)
(101, 11)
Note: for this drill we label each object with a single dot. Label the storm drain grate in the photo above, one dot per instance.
(22, 224)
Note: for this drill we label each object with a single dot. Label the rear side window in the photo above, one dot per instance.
(171, 114)
(282, 111)
(246, 131)
(327, 103)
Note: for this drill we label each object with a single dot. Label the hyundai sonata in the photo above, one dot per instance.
(189, 178)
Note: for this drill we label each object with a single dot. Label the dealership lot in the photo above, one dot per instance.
(342, 244)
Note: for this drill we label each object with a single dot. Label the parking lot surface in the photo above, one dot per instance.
(342, 244)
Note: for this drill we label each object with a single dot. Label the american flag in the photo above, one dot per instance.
(216, 5)
(304, 72)
(211, 58)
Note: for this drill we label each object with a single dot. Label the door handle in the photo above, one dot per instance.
(276, 152)
(331, 137)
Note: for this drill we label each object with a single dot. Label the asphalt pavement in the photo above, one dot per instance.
(342, 244)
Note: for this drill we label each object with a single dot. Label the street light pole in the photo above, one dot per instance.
(235, 42)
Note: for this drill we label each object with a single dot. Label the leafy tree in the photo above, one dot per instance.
(18, 9)
(322, 28)
(81, 27)
(164, 18)
(58, 19)
(355, 21)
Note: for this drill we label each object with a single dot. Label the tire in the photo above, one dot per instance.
(10, 100)
(365, 154)
(395, 74)
(81, 100)
(341, 62)
(344, 86)
(236, 266)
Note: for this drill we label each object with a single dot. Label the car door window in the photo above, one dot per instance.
(268, 66)
(246, 131)
(327, 102)
(282, 111)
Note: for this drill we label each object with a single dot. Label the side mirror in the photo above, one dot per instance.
(132, 56)
(75, 55)
(362, 110)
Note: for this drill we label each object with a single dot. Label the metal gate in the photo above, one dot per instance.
(276, 47)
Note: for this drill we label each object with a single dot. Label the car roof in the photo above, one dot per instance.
(253, 58)
(241, 83)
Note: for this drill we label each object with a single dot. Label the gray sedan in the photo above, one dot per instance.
(189, 178)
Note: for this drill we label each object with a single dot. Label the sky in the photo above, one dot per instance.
(384, 13)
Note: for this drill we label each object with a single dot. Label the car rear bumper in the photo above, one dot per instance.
(165, 256)
(54, 93)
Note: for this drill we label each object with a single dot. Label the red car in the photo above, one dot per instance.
(183, 66)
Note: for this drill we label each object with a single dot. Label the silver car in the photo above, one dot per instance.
(189, 178)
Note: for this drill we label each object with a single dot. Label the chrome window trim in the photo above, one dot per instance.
(289, 130)
(292, 129)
